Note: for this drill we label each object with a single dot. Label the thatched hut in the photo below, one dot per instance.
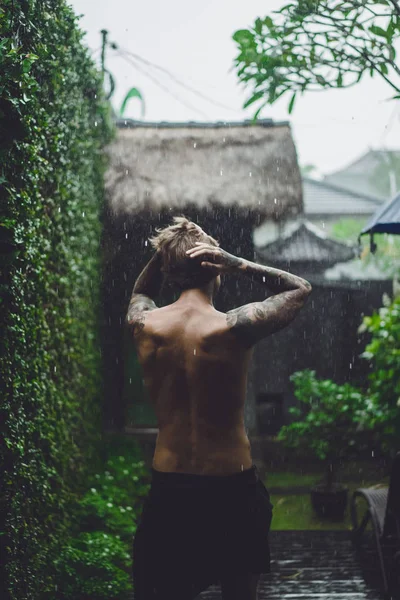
(228, 177)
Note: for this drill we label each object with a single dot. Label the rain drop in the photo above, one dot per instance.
(145, 243)
(83, 214)
(220, 172)
(95, 123)
(275, 201)
(249, 173)
(194, 351)
(194, 145)
(126, 236)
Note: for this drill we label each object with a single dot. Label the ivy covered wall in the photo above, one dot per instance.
(54, 122)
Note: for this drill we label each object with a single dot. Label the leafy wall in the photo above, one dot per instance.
(53, 124)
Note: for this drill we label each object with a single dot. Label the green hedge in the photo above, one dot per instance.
(53, 124)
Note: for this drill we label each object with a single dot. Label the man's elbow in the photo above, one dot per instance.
(305, 287)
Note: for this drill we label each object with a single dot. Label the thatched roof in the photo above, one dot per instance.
(172, 165)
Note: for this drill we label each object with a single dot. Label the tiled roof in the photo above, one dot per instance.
(360, 175)
(307, 244)
(322, 198)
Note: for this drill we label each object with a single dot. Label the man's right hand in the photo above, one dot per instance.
(215, 258)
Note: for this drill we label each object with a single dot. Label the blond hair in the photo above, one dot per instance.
(172, 242)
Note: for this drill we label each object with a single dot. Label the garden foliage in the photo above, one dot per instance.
(53, 124)
(383, 352)
(335, 422)
(331, 420)
(95, 561)
(311, 45)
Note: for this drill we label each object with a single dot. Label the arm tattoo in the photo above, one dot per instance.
(147, 286)
(254, 321)
(274, 279)
(138, 306)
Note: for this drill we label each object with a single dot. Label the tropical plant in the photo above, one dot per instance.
(95, 561)
(332, 423)
(133, 93)
(383, 352)
(318, 44)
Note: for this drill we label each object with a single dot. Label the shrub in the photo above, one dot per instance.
(96, 561)
(332, 421)
(94, 566)
(53, 123)
(383, 352)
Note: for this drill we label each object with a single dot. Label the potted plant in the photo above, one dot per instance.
(331, 427)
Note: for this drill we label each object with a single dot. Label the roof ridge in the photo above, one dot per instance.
(121, 123)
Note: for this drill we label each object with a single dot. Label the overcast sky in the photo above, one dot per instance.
(193, 40)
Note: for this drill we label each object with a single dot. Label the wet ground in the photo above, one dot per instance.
(316, 565)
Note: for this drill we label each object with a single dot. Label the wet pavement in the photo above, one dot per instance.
(315, 565)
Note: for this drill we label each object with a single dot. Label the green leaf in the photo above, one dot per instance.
(291, 103)
(26, 65)
(269, 22)
(254, 98)
(378, 31)
(133, 93)
(258, 26)
(243, 37)
(255, 117)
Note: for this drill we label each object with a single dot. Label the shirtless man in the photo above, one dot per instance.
(194, 361)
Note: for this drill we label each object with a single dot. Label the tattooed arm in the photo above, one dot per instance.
(254, 321)
(146, 288)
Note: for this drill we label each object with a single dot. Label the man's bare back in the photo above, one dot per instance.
(195, 371)
(195, 359)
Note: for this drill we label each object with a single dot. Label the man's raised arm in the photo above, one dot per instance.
(256, 320)
(145, 291)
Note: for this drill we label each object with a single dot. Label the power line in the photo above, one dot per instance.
(160, 85)
(179, 82)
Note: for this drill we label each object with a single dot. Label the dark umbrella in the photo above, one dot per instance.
(385, 220)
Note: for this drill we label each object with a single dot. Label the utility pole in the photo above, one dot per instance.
(104, 34)
(104, 43)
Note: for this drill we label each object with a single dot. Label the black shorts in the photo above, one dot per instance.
(195, 529)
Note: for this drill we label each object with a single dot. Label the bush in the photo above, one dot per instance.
(383, 352)
(114, 499)
(53, 124)
(333, 420)
(96, 562)
(94, 566)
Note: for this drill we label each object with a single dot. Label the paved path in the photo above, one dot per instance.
(315, 565)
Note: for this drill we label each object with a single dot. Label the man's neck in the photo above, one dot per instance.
(203, 296)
